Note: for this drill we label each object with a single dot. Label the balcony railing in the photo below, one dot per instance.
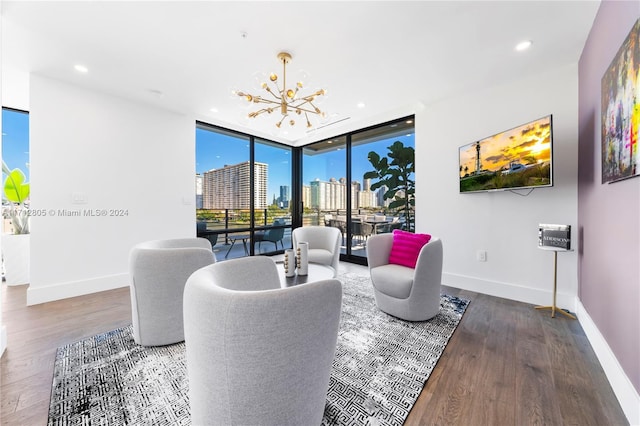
(229, 230)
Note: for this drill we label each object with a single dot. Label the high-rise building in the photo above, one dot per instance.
(229, 187)
(368, 199)
(332, 195)
(198, 191)
(306, 196)
(380, 195)
(283, 201)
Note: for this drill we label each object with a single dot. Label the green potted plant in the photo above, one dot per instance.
(16, 192)
(15, 245)
(397, 177)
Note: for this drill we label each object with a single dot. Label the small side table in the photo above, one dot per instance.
(553, 307)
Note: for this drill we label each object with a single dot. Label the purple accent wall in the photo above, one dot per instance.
(609, 214)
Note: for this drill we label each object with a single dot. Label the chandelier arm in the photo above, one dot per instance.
(301, 108)
(265, 101)
(268, 89)
(281, 120)
(280, 91)
(315, 108)
(261, 111)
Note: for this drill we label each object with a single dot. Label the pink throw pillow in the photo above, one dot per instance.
(406, 247)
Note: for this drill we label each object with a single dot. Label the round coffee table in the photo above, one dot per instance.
(317, 272)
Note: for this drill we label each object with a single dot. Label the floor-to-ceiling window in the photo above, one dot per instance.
(324, 184)
(272, 189)
(223, 193)
(251, 191)
(243, 192)
(340, 193)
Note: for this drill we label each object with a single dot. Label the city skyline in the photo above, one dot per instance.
(216, 149)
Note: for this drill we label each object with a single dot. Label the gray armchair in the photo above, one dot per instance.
(258, 353)
(158, 273)
(273, 235)
(324, 244)
(406, 293)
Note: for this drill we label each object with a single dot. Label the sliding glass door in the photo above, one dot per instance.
(223, 191)
(242, 192)
(324, 184)
(342, 187)
(272, 190)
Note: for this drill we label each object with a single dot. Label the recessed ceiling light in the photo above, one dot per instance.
(523, 45)
(360, 104)
(81, 68)
(214, 109)
(409, 121)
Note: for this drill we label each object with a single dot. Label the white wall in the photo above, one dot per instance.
(3, 329)
(502, 223)
(117, 154)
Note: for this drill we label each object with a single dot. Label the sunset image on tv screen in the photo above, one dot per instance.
(516, 158)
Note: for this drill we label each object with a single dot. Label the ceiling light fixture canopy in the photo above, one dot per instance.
(288, 100)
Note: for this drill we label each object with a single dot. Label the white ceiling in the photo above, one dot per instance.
(394, 56)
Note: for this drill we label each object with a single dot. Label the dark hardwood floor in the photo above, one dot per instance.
(506, 364)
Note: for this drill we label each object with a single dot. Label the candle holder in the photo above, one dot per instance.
(302, 258)
(289, 263)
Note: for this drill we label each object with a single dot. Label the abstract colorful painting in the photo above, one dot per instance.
(621, 111)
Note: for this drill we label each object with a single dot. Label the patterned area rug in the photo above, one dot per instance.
(380, 368)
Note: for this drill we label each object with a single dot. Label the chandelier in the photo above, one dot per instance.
(288, 101)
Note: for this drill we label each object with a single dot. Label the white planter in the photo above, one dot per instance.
(15, 254)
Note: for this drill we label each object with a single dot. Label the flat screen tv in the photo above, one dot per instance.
(518, 158)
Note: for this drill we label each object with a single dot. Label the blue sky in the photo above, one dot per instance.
(214, 150)
(15, 140)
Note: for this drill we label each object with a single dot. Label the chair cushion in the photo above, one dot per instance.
(322, 256)
(406, 247)
(393, 280)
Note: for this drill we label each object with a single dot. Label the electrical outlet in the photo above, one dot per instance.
(481, 255)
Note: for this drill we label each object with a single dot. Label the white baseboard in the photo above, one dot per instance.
(510, 291)
(622, 387)
(37, 295)
(3, 339)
